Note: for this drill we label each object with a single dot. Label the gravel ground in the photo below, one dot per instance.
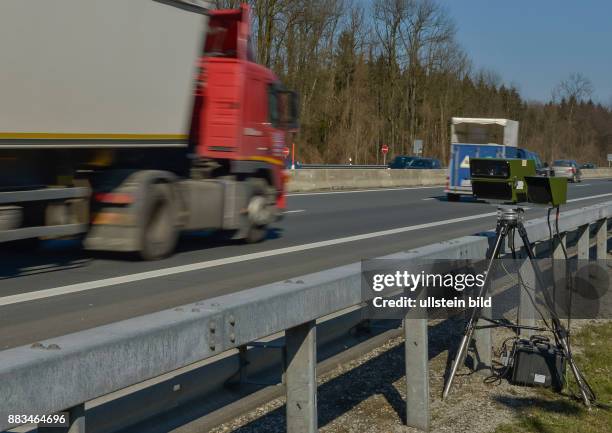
(367, 395)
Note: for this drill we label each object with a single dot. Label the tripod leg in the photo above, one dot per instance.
(502, 231)
(558, 329)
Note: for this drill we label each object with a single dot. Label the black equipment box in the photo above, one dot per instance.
(537, 362)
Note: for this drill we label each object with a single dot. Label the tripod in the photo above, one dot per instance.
(509, 219)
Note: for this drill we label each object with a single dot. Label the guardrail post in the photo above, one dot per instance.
(481, 358)
(482, 343)
(76, 421)
(602, 239)
(417, 372)
(583, 244)
(301, 379)
(527, 287)
(558, 246)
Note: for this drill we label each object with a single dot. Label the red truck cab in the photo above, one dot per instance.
(243, 113)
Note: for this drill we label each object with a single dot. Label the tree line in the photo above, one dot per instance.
(392, 71)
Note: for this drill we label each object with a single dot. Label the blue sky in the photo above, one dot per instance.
(534, 44)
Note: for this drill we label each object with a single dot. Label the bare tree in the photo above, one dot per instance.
(426, 27)
(576, 88)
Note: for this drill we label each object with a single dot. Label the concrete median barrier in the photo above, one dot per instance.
(336, 179)
(596, 173)
(305, 180)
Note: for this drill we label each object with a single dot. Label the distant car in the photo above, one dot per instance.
(425, 163)
(401, 161)
(567, 168)
(588, 165)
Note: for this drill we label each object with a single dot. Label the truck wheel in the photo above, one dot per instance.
(259, 212)
(452, 197)
(159, 233)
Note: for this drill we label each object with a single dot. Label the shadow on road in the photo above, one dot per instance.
(33, 258)
(18, 260)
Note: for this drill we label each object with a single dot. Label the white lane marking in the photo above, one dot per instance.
(582, 185)
(296, 194)
(295, 211)
(429, 198)
(590, 197)
(90, 285)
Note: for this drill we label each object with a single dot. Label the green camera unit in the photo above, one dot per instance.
(501, 180)
(515, 181)
(546, 190)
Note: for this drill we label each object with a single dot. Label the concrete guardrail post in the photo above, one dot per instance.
(481, 359)
(559, 243)
(417, 372)
(602, 239)
(527, 291)
(483, 345)
(301, 378)
(583, 244)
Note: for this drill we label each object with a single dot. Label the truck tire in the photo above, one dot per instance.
(159, 233)
(452, 197)
(258, 210)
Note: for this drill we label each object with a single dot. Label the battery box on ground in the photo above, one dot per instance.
(537, 362)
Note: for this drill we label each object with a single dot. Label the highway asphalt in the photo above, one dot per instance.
(61, 289)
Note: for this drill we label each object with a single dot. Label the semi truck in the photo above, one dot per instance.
(125, 123)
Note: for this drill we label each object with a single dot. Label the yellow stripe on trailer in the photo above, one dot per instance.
(267, 159)
(87, 136)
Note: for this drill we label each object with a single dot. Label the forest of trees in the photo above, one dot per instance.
(390, 71)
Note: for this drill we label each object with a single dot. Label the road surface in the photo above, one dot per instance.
(61, 289)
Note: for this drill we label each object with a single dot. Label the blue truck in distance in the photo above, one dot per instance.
(480, 138)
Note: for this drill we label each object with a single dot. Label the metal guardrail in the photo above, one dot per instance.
(62, 373)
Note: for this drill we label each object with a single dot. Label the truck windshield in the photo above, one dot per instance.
(221, 38)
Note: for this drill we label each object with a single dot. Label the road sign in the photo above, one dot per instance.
(384, 149)
(285, 152)
(417, 147)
